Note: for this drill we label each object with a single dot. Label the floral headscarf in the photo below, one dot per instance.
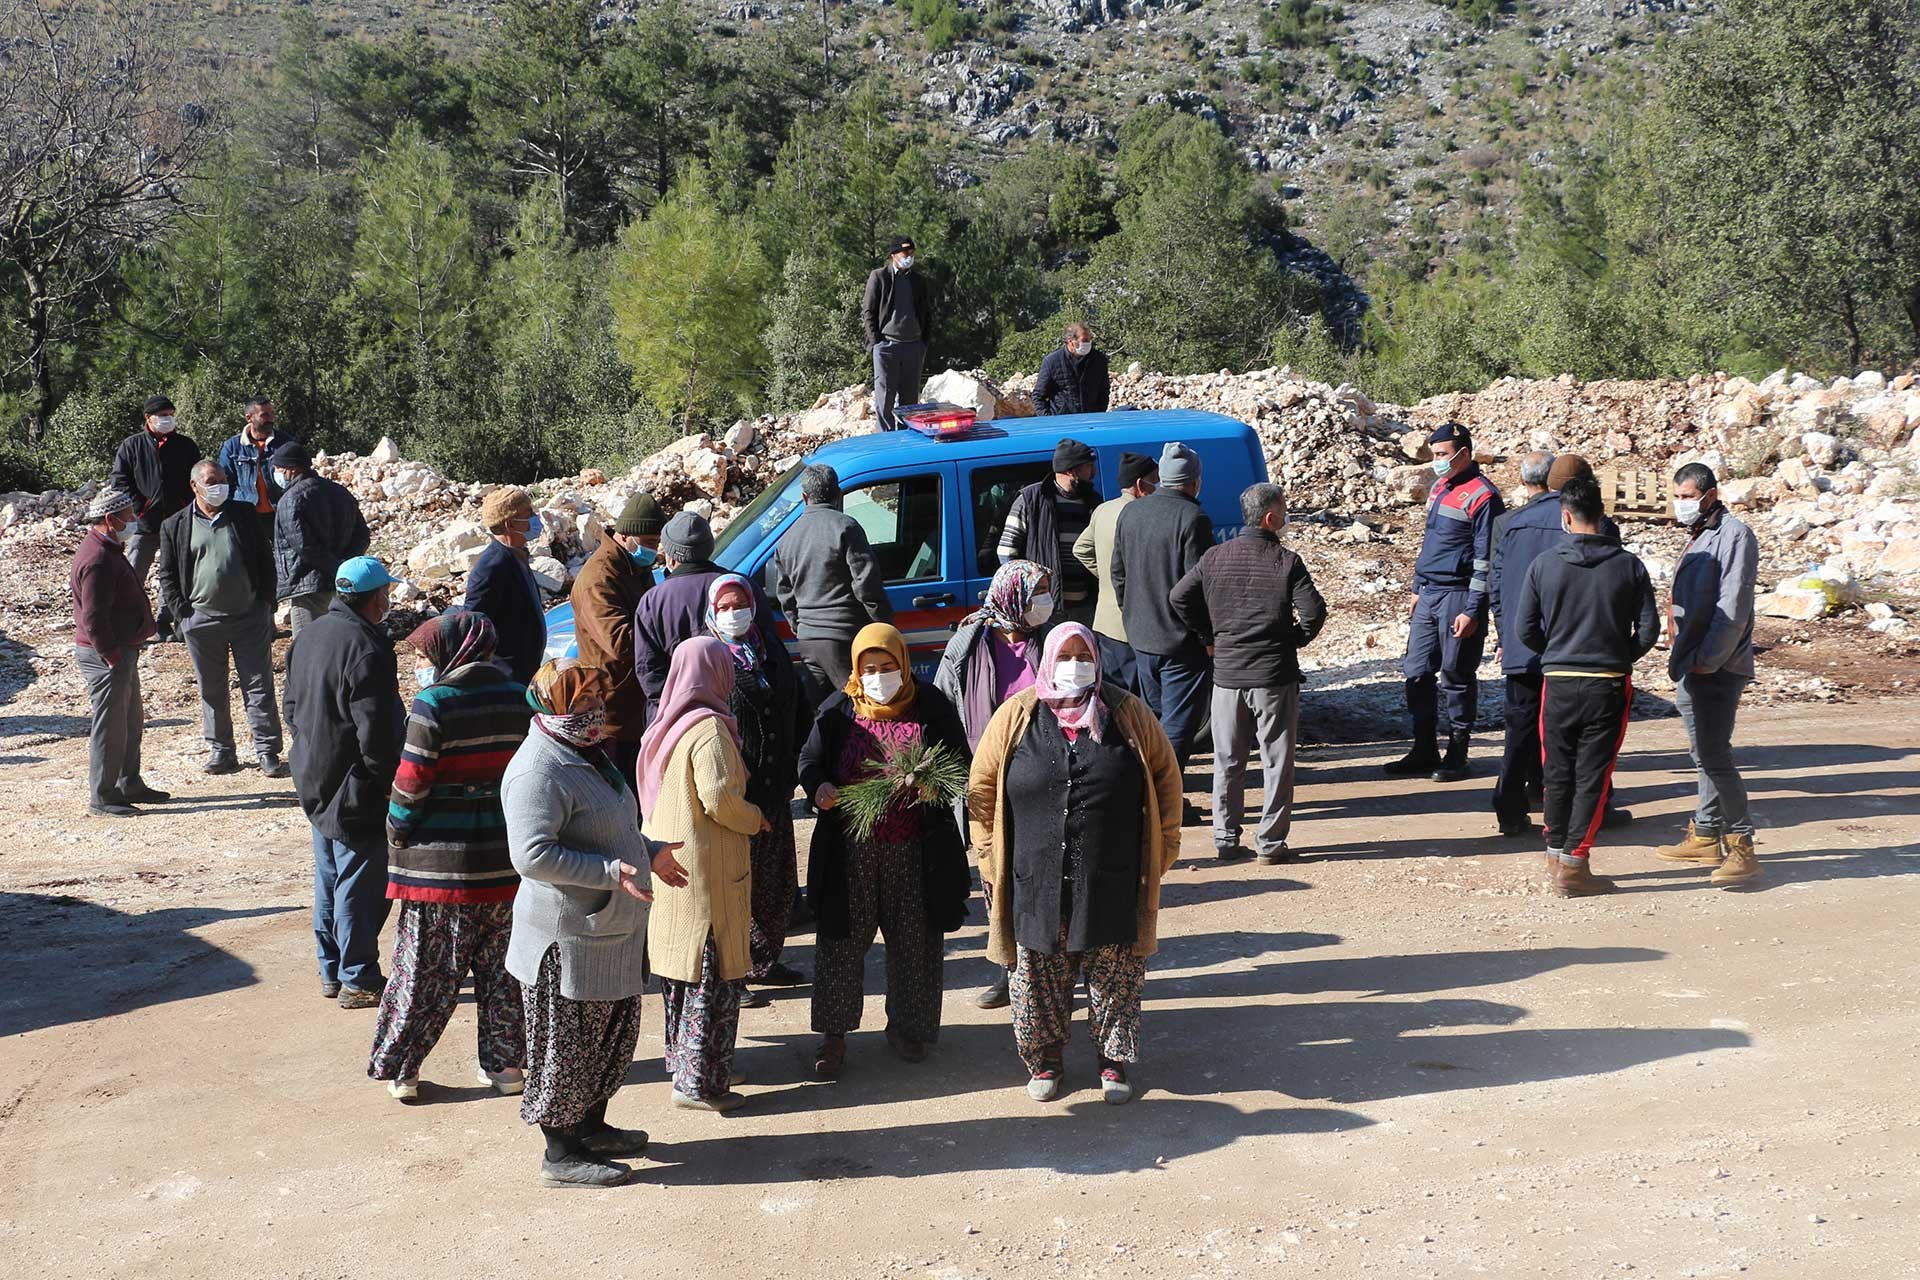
(1009, 596)
(456, 639)
(563, 684)
(745, 655)
(1083, 712)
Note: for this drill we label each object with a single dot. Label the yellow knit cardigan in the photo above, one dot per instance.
(703, 803)
(986, 811)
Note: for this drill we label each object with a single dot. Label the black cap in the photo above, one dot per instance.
(1454, 433)
(157, 404)
(897, 243)
(1136, 466)
(292, 455)
(1071, 453)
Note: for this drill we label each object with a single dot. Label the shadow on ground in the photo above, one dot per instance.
(72, 961)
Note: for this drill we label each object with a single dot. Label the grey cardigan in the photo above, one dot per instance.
(1713, 599)
(568, 830)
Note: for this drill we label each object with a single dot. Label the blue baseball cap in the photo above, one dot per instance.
(362, 573)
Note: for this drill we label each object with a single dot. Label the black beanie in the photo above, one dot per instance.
(1071, 453)
(1134, 467)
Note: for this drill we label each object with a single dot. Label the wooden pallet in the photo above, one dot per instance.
(1634, 493)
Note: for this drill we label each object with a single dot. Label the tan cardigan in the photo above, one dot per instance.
(986, 811)
(703, 803)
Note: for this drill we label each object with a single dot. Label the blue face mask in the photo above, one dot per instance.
(644, 556)
(534, 528)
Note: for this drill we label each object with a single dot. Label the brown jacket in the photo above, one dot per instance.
(986, 811)
(604, 597)
(703, 803)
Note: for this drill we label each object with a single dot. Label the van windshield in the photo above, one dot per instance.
(763, 515)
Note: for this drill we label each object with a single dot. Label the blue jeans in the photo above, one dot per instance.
(1174, 686)
(349, 906)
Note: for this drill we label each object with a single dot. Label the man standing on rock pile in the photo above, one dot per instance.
(897, 315)
(1710, 631)
(1449, 608)
(1587, 609)
(155, 465)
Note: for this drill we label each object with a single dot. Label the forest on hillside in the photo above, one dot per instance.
(570, 240)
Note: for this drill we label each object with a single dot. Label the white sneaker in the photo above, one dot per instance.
(509, 1082)
(404, 1090)
(727, 1101)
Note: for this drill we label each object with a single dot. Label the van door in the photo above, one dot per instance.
(908, 517)
(991, 486)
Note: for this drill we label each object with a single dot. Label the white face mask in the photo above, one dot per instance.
(424, 676)
(282, 478)
(1443, 465)
(217, 494)
(1039, 610)
(1071, 675)
(1079, 348)
(881, 685)
(732, 623)
(906, 262)
(124, 534)
(163, 425)
(1686, 510)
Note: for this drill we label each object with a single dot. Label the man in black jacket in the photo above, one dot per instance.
(1254, 602)
(897, 316)
(316, 526)
(1157, 541)
(216, 579)
(343, 706)
(827, 582)
(1587, 608)
(1073, 378)
(502, 586)
(155, 464)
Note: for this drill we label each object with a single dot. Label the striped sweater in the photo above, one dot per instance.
(447, 833)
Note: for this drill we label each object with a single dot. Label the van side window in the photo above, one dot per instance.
(994, 489)
(902, 521)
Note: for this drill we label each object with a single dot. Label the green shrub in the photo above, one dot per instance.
(943, 22)
(23, 468)
(83, 433)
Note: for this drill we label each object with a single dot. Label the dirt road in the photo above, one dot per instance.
(1397, 1058)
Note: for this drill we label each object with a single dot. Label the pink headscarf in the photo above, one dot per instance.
(698, 685)
(1082, 712)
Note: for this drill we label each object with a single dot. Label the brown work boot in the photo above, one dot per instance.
(1692, 847)
(1572, 879)
(1740, 866)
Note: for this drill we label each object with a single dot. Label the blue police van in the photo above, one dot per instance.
(933, 508)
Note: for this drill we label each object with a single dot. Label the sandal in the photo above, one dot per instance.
(829, 1058)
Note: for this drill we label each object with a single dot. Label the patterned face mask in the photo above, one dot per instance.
(581, 729)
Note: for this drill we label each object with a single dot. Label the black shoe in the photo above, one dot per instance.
(578, 1169)
(1190, 815)
(1274, 857)
(782, 975)
(996, 995)
(112, 809)
(141, 793)
(329, 990)
(272, 765)
(220, 764)
(1511, 828)
(801, 808)
(753, 999)
(1616, 818)
(1420, 760)
(609, 1142)
(1453, 768)
(905, 1049)
(802, 917)
(1231, 852)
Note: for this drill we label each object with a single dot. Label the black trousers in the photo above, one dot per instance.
(1583, 721)
(1520, 765)
(825, 666)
